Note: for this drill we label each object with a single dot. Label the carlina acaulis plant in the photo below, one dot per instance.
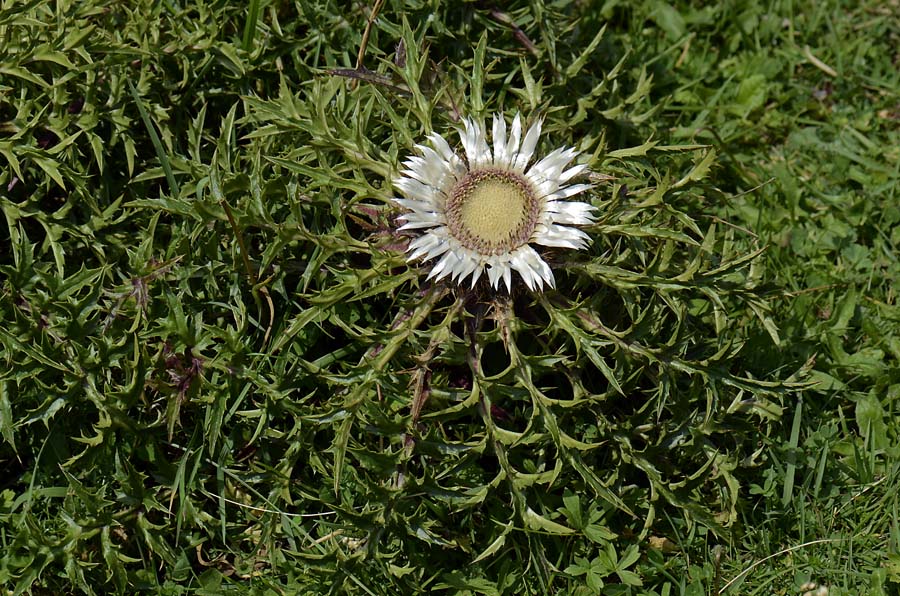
(481, 212)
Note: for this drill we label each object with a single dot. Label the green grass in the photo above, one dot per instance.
(219, 375)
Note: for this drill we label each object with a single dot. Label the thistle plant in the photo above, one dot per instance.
(346, 346)
(506, 415)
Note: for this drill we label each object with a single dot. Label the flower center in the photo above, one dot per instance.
(492, 211)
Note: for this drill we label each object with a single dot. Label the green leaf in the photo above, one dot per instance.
(473, 585)
(751, 94)
(161, 153)
(669, 19)
(476, 94)
(572, 510)
(494, 546)
(791, 468)
(575, 67)
(870, 418)
(6, 416)
(540, 523)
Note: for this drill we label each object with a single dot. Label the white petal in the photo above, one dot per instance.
(445, 266)
(498, 138)
(428, 243)
(442, 146)
(431, 160)
(542, 268)
(443, 245)
(569, 191)
(570, 212)
(431, 244)
(552, 166)
(530, 265)
(432, 170)
(415, 205)
(466, 267)
(528, 146)
(477, 151)
(413, 189)
(572, 172)
(461, 269)
(495, 272)
(515, 135)
(507, 277)
(477, 273)
(529, 276)
(452, 167)
(560, 236)
(421, 220)
(550, 186)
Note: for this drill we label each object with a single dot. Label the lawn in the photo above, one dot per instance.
(220, 371)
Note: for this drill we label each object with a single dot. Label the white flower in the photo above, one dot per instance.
(482, 213)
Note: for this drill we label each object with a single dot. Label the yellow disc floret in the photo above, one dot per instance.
(492, 211)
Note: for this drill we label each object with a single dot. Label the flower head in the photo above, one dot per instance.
(482, 213)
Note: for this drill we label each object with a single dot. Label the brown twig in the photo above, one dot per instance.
(369, 76)
(364, 43)
(504, 18)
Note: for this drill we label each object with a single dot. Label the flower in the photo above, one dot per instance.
(482, 213)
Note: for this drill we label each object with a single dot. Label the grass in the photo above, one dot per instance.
(221, 376)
